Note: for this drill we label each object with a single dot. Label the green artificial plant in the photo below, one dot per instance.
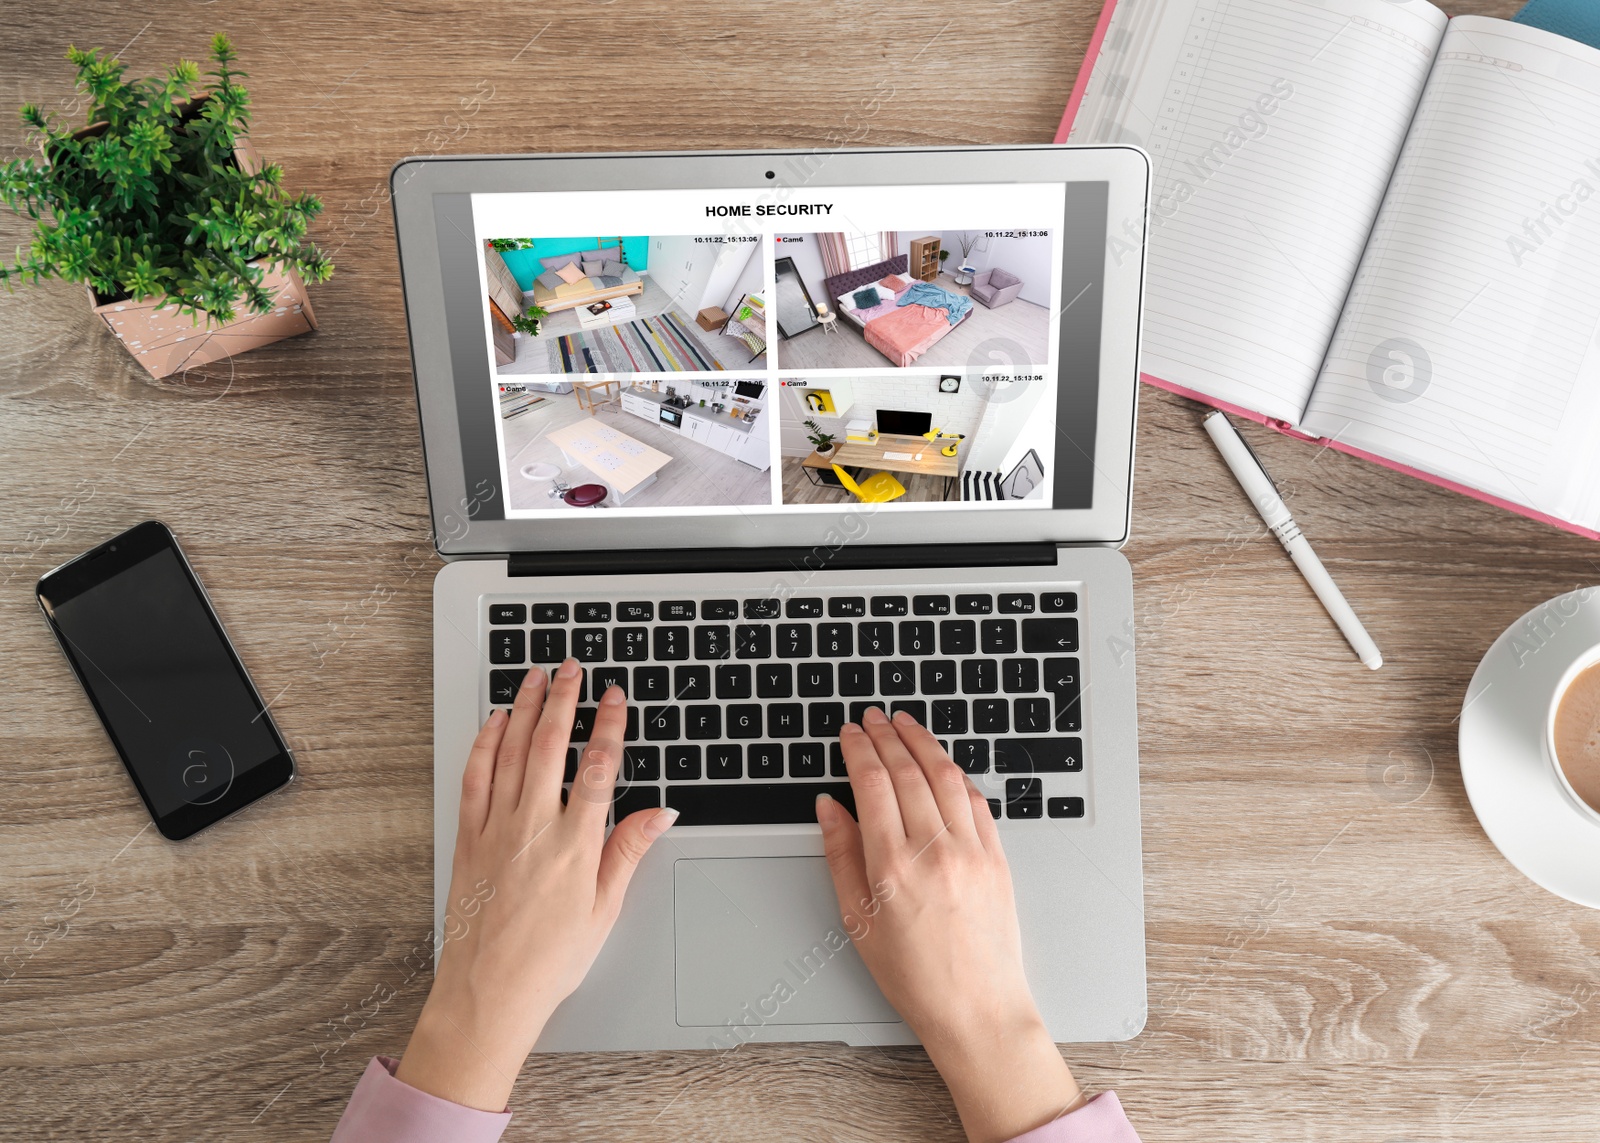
(528, 320)
(148, 201)
(820, 438)
(504, 244)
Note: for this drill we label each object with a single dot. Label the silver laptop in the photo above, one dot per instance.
(767, 438)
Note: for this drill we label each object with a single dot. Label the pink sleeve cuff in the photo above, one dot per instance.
(1099, 1121)
(385, 1110)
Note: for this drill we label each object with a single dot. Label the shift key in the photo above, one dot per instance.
(1038, 755)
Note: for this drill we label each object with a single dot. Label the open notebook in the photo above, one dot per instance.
(1371, 225)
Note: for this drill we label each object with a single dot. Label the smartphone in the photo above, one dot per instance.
(178, 705)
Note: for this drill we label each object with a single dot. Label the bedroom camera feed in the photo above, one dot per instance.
(931, 439)
(845, 300)
(691, 443)
(625, 304)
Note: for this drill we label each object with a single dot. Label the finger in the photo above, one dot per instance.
(983, 820)
(478, 776)
(596, 780)
(544, 752)
(876, 804)
(945, 779)
(623, 851)
(847, 860)
(512, 757)
(917, 808)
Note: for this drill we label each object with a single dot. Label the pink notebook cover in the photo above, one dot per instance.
(1089, 59)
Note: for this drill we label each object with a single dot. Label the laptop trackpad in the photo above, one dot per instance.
(759, 941)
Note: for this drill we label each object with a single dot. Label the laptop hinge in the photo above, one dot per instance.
(861, 557)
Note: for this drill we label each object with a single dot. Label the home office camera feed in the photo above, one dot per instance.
(690, 352)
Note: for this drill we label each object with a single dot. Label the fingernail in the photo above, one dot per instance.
(568, 669)
(613, 696)
(496, 717)
(904, 719)
(825, 805)
(534, 678)
(849, 728)
(661, 823)
(874, 714)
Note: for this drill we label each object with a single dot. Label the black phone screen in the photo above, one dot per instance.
(173, 696)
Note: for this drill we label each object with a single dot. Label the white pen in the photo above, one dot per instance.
(1257, 485)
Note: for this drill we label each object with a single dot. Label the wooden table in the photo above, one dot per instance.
(584, 392)
(926, 457)
(615, 458)
(1336, 956)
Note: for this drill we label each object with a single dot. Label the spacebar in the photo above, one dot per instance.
(756, 803)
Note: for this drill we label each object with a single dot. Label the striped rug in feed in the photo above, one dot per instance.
(977, 484)
(665, 343)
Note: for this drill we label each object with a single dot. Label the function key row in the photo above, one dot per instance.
(837, 607)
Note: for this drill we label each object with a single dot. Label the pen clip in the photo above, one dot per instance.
(1259, 465)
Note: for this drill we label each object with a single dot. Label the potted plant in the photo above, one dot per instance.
(820, 438)
(190, 246)
(943, 254)
(528, 320)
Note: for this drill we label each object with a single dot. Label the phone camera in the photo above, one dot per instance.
(770, 175)
(112, 548)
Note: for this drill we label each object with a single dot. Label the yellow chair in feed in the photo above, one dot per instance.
(879, 488)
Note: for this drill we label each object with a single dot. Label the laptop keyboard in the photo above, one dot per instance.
(735, 704)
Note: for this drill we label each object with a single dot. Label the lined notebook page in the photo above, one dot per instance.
(1468, 348)
(1273, 126)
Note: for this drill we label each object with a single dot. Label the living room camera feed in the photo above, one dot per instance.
(847, 300)
(625, 304)
(917, 439)
(593, 444)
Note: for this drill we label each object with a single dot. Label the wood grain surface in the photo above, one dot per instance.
(1333, 956)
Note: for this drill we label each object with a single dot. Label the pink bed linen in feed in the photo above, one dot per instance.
(908, 332)
(884, 307)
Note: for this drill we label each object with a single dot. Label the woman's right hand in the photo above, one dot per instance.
(925, 894)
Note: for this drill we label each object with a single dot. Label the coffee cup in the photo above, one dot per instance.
(1572, 733)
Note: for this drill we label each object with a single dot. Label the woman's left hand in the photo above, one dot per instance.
(535, 889)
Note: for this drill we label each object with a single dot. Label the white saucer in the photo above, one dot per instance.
(1518, 799)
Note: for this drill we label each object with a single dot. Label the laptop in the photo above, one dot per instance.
(767, 438)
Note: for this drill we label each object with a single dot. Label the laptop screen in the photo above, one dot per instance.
(696, 353)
